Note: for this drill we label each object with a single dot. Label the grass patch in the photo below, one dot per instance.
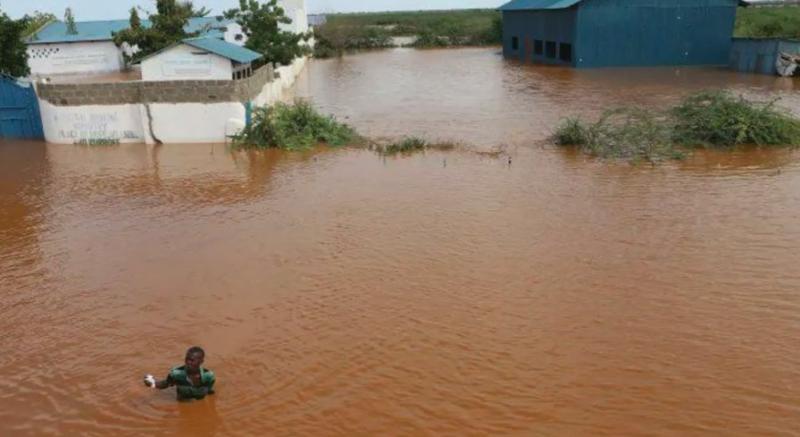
(714, 119)
(293, 127)
(719, 119)
(345, 32)
(335, 40)
(627, 133)
(410, 145)
(771, 22)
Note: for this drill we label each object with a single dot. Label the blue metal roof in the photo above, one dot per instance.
(524, 5)
(223, 48)
(56, 31)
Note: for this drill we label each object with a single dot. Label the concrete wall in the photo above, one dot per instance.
(192, 122)
(285, 78)
(183, 62)
(153, 112)
(74, 58)
(175, 91)
(92, 124)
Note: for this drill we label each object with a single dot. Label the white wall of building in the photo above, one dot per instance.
(185, 62)
(275, 90)
(74, 58)
(168, 122)
(175, 123)
(77, 124)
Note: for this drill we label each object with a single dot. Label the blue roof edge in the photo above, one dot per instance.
(188, 41)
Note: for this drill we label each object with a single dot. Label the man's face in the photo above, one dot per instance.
(194, 361)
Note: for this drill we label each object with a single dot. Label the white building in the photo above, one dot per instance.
(204, 58)
(54, 51)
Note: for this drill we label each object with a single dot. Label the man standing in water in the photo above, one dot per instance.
(191, 380)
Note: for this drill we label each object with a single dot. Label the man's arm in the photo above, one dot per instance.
(210, 385)
(166, 383)
(161, 385)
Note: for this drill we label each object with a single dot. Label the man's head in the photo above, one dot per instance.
(194, 358)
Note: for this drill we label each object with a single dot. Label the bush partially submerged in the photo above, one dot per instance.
(718, 119)
(707, 119)
(410, 145)
(293, 127)
(621, 133)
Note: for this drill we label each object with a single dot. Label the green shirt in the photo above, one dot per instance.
(184, 386)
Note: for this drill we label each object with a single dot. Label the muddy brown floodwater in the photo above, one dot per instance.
(338, 293)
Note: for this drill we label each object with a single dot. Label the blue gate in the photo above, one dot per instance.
(19, 110)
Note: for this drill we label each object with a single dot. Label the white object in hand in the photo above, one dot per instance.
(151, 380)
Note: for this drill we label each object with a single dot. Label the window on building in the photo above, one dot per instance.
(550, 49)
(565, 52)
(514, 43)
(538, 47)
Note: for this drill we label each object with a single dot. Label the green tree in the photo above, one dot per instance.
(202, 12)
(69, 19)
(135, 21)
(36, 21)
(260, 22)
(13, 51)
(167, 26)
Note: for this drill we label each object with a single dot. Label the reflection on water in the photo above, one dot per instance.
(340, 293)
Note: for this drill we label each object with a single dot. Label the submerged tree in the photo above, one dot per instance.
(13, 52)
(261, 23)
(167, 26)
(69, 19)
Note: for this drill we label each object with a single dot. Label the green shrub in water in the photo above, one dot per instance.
(410, 145)
(632, 134)
(293, 127)
(572, 132)
(718, 119)
(710, 118)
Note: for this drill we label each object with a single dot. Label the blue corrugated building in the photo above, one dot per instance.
(759, 55)
(608, 33)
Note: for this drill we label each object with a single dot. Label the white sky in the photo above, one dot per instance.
(113, 9)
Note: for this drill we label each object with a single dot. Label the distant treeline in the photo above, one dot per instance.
(768, 22)
(480, 27)
(470, 27)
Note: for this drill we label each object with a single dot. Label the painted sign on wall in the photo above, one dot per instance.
(92, 124)
(180, 66)
(183, 62)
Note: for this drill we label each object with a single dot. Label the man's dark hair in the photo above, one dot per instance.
(196, 350)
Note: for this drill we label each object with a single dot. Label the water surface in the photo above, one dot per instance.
(339, 293)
